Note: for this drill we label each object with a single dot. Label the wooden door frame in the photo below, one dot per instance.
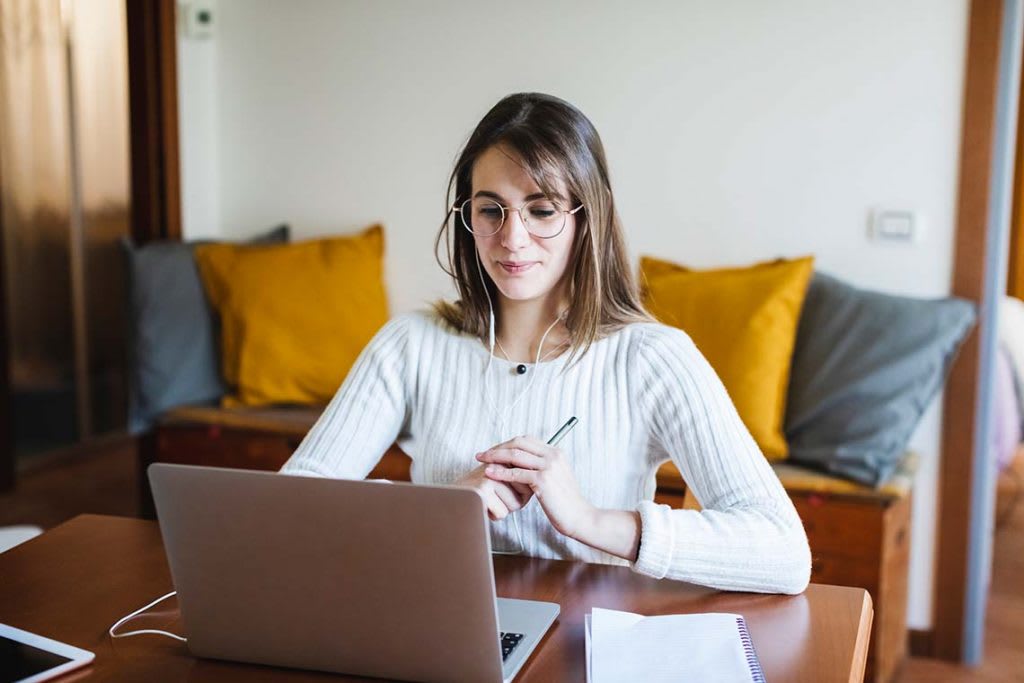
(1015, 266)
(153, 114)
(7, 458)
(946, 639)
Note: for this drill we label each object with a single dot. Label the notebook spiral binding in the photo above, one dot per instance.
(756, 674)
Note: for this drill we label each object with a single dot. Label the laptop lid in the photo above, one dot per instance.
(360, 577)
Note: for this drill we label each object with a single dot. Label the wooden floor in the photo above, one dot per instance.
(101, 478)
(53, 488)
(1004, 621)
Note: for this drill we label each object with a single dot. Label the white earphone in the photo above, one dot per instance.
(503, 418)
(491, 342)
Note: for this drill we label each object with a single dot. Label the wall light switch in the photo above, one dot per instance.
(198, 19)
(895, 225)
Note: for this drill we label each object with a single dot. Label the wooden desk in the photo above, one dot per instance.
(73, 582)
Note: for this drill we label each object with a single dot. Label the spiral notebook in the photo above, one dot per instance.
(621, 646)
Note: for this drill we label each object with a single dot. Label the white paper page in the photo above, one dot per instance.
(670, 648)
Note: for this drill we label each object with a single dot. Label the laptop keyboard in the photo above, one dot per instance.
(508, 643)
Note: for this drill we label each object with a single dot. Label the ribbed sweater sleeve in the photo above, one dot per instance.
(366, 415)
(748, 535)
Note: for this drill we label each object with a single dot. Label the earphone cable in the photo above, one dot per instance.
(546, 355)
(503, 419)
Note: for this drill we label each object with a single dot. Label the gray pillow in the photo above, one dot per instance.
(173, 348)
(865, 367)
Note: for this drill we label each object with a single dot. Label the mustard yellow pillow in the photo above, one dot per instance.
(294, 317)
(744, 321)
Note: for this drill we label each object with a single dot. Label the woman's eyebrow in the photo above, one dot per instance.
(495, 195)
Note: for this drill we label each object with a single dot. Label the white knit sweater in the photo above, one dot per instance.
(642, 395)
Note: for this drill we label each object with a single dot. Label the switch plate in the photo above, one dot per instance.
(198, 19)
(895, 226)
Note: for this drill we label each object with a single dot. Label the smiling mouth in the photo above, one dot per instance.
(517, 268)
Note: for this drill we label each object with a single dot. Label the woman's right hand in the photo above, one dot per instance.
(501, 498)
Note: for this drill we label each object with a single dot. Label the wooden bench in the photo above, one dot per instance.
(859, 536)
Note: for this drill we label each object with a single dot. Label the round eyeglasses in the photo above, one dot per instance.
(543, 218)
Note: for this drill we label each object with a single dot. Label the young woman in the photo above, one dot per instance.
(549, 325)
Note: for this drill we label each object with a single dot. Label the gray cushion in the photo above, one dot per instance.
(865, 367)
(173, 336)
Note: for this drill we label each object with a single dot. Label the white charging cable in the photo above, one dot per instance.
(145, 630)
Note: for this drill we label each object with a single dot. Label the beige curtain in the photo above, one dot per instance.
(64, 187)
(100, 50)
(34, 164)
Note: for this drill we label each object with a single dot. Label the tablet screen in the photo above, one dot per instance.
(18, 660)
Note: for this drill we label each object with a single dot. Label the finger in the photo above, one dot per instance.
(524, 491)
(511, 442)
(513, 457)
(511, 474)
(496, 509)
(533, 445)
(508, 496)
(527, 443)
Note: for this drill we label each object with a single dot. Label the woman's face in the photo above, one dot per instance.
(522, 266)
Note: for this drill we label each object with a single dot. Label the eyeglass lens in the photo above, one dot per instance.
(482, 216)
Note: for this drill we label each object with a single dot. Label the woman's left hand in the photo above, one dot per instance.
(545, 469)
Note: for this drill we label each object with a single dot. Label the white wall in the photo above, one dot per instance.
(198, 139)
(736, 131)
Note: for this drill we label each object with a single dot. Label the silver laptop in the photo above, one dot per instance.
(357, 577)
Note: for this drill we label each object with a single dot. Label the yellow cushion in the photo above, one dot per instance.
(800, 480)
(294, 317)
(744, 321)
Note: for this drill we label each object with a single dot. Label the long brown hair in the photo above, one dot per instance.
(553, 140)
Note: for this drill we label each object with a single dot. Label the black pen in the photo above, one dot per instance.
(553, 441)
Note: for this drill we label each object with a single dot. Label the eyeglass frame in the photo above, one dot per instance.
(508, 209)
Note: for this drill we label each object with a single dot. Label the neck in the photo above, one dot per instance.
(522, 324)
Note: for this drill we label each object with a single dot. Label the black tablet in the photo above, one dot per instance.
(27, 658)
